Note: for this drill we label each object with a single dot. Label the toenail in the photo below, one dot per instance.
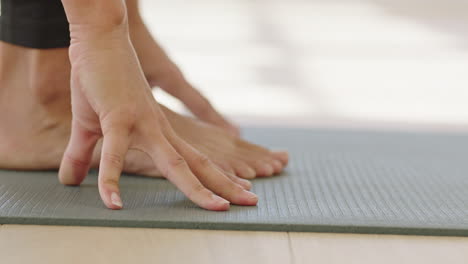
(277, 164)
(268, 169)
(285, 154)
(251, 173)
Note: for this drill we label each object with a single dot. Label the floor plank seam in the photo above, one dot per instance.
(292, 258)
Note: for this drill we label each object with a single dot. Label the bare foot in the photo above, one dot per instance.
(130, 119)
(34, 107)
(39, 127)
(231, 153)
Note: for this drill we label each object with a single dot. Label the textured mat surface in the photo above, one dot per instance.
(338, 181)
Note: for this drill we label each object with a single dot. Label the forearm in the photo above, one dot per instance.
(133, 10)
(158, 67)
(161, 71)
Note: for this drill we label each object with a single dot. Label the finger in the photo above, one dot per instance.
(212, 177)
(247, 185)
(77, 158)
(229, 171)
(201, 107)
(215, 180)
(114, 148)
(176, 170)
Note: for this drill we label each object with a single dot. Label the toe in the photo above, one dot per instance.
(277, 166)
(243, 170)
(264, 169)
(282, 156)
(228, 169)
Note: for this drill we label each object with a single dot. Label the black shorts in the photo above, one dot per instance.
(39, 24)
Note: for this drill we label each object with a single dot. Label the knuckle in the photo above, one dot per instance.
(113, 160)
(80, 163)
(177, 162)
(110, 182)
(123, 118)
(202, 161)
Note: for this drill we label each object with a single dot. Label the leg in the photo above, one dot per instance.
(40, 79)
(34, 106)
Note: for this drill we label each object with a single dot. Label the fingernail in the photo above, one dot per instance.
(115, 199)
(251, 196)
(219, 200)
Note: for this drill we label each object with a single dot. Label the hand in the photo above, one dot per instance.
(111, 99)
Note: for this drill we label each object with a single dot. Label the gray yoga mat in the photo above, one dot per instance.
(337, 181)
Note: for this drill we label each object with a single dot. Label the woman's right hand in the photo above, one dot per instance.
(112, 100)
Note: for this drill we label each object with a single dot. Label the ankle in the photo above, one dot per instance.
(49, 76)
(32, 78)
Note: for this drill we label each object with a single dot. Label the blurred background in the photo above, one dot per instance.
(307, 62)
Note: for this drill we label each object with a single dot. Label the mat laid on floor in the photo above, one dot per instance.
(338, 181)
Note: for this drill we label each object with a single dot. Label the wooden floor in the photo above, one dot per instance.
(57, 244)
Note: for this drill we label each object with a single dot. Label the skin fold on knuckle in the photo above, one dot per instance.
(114, 160)
(174, 166)
(201, 163)
(75, 162)
(122, 119)
(109, 182)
